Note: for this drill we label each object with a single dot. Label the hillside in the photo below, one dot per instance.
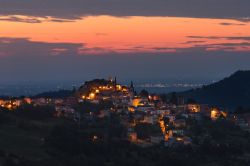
(230, 92)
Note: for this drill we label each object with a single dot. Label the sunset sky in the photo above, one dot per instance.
(55, 40)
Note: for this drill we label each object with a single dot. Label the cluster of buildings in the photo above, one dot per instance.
(134, 110)
(13, 103)
(145, 109)
(99, 90)
(172, 119)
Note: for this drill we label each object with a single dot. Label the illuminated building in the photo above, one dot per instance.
(119, 87)
(180, 123)
(131, 109)
(136, 102)
(91, 96)
(27, 100)
(9, 106)
(132, 136)
(179, 139)
(194, 108)
(95, 138)
(156, 139)
(215, 114)
(162, 126)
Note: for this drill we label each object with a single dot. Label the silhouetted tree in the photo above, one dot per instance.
(191, 101)
(144, 93)
(173, 98)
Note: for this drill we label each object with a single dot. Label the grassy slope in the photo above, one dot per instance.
(25, 137)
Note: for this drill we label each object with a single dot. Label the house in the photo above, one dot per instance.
(103, 113)
(132, 135)
(178, 132)
(146, 108)
(215, 113)
(138, 101)
(150, 119)
(156, 139)
(193, 108)
(163, 111)
(205, 110)
(64, 111)
(170, 117)
(187, 141)
(243, 122)
(27, 100)
(195, 116)
(170, 142)
(40, 101)
(178, 123)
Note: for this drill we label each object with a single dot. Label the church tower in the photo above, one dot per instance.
(115, 84)
(132, 88)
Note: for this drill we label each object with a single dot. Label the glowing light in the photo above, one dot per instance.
(224, 114)
(194, 108)
(119, 87)
(95, 138)
(92, 95)
(162, 126)
(179, 139)
(136, 102)
(28, 100)
(9, 106)
(133, 137)
(215, 113)
(131, 109)
(166, 137)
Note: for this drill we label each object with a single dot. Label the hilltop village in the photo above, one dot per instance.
(148, 119)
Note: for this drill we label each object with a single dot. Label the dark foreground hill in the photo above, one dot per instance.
(231, 92)
(32, 136)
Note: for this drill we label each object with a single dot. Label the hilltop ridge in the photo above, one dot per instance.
(231, 92)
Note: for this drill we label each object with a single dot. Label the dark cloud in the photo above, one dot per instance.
(23, 47)
(60, 20)
(246, 38)
(24, 60)
(33, 19)
(18, 19)
(205, 37)
(163, 49)
(222, 47)
(194, 42)
(231, 24)
(76, 9)
(136, 66)
(231, 44)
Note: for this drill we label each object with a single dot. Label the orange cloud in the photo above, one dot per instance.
(103, 34)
